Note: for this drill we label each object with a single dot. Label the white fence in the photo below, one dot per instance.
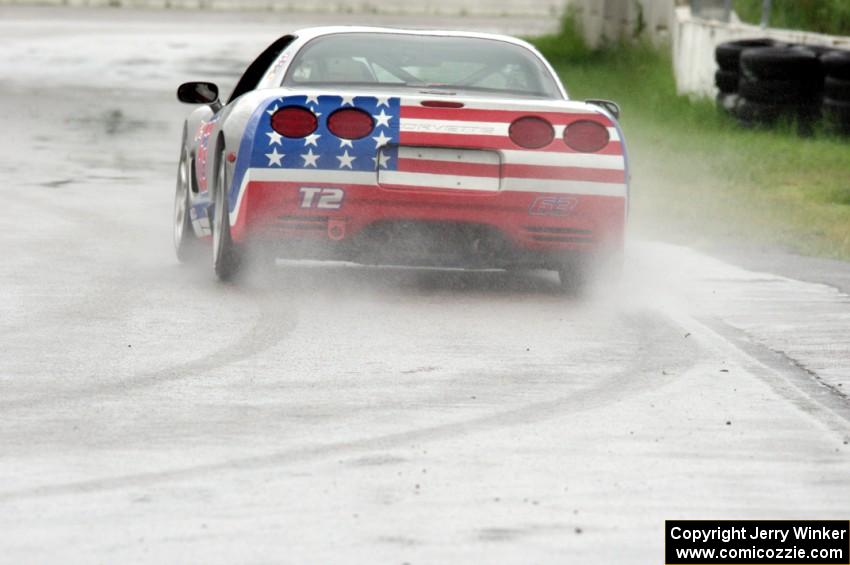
(611, 20)
(692, 39)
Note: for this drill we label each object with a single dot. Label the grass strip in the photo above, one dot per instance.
(697, 176)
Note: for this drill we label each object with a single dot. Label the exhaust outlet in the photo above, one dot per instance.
(336, 230)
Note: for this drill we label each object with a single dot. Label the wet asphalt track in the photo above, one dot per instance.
(336, 413)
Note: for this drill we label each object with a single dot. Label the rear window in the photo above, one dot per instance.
(420, 61)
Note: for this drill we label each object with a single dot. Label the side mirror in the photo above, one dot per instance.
(199, 93)
(612, 107)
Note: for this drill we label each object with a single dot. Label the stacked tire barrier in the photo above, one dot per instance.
(763, 82)
(836, 101)
(728, 75)
(780, 83)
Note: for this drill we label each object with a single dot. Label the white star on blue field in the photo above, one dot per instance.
(322, 149)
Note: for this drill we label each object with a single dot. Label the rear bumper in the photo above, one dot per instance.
(496, 227)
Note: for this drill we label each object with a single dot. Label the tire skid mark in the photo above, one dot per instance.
(651, 368)
(270, 328)
(272, 325)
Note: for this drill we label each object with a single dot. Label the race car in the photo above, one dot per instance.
(408, 147)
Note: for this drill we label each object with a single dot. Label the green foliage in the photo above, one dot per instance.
(697, 176)
(640, 20)
(823, 16)
(566, 45)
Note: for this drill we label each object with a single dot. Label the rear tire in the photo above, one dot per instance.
(572, 277)
(577, 273)
(187, 246)
(227, 257)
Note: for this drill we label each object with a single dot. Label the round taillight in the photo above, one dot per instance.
(531, 132)
(586, 136)
(350, 123)
(294, 121)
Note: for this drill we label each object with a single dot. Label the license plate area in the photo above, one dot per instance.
(441, 168)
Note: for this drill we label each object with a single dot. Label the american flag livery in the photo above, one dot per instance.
(322, 150)
(417, 147)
